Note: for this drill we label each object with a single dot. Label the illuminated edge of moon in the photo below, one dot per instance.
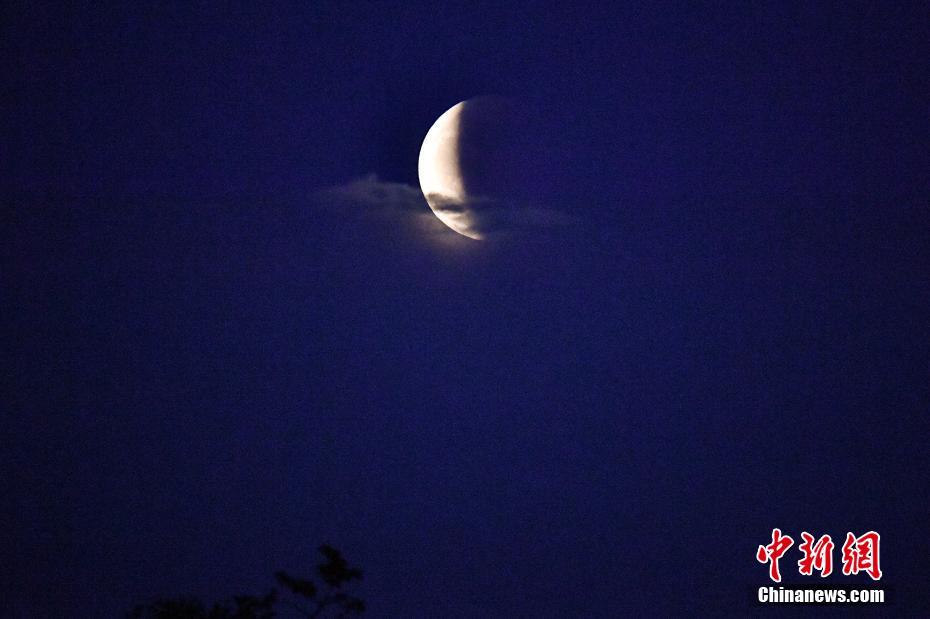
(440, 175)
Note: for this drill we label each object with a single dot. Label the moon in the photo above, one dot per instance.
(440, 171)
(486, 168)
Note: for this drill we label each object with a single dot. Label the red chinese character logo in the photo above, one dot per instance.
(860, 554)
(817, 556)
(773, 552)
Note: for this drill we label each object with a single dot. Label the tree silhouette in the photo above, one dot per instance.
(304, 597)
(336, 573)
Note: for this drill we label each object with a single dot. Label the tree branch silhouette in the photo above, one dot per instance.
(310, 601)
(336, 573)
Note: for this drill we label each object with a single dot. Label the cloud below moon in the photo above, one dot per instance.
(494, 217)
(404, 206)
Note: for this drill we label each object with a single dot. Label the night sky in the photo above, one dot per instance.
(232, 330)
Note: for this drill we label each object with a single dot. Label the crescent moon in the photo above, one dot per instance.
(440, 172)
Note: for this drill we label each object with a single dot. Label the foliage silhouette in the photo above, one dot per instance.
(304, 597)
(336, 573)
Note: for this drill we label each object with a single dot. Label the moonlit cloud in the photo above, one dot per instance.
(393, 208)
(373, 193)
(372, 198)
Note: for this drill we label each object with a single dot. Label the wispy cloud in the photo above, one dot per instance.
(486, 218)
(395, 207)
(489, 218)
(372, 193)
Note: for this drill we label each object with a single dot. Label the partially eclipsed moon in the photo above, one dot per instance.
(440, 172)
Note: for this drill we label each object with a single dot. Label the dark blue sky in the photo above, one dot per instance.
(232, 330)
